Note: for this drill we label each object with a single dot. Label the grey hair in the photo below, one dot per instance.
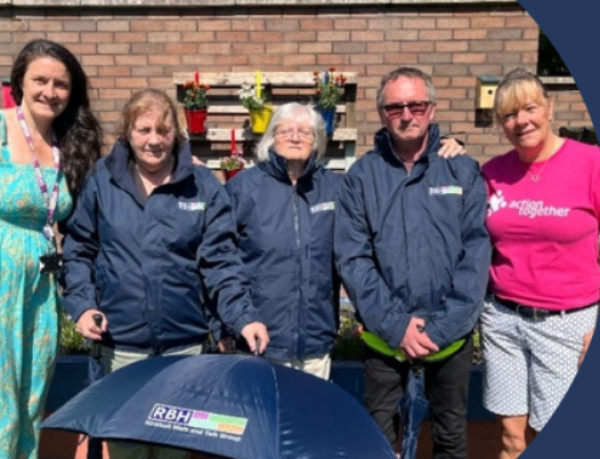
(407, 72)
(293, 111)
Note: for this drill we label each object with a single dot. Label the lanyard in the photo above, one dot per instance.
(50, 199)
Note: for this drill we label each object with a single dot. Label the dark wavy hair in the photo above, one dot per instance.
(77, 130)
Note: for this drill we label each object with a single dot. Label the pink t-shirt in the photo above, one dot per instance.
(545, 232)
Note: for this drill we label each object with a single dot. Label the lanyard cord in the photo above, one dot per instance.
(50, 199)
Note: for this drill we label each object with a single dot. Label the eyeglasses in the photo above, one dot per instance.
(417, 108)
(302, 134)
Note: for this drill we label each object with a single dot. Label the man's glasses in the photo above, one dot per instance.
(302, 134)
(417, 108)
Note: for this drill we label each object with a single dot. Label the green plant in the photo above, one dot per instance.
(71, 342)
(234, 161)
(251, 100)
(348, 345)
(329, 88)
(195, 95)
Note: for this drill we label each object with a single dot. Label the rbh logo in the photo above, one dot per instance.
(171, 414)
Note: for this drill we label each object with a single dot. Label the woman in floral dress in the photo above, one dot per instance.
(49, 142)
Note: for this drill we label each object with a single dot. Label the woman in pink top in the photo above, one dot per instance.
(543, 219)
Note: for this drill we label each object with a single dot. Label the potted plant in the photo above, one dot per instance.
(256, 100)
(329, 89)
(233, 164)
(195, 103)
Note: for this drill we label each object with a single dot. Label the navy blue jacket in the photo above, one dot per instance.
(414, 245)
(150, 266)
(286, 243)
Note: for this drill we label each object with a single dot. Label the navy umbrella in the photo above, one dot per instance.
(413, 406)
(238, 406)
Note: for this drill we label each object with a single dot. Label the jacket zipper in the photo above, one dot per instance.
(298, 247)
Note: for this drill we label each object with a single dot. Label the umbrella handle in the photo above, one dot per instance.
(96, 348)
(257, 346)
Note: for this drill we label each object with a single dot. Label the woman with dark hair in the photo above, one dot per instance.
(49, 143)
(150, 243)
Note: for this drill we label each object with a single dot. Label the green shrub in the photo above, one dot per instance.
(71, 342)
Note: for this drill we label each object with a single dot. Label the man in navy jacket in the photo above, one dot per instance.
(413, 254)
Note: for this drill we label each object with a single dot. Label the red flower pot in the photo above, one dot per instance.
(195, 121)
(230, 173)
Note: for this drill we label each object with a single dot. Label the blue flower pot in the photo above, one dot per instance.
(328, 115)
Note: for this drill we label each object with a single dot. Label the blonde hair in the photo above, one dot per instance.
(517, 88)
(142, 102)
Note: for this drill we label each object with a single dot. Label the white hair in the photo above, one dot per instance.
(293, 111)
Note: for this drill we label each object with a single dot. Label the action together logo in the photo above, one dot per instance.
(525, 207)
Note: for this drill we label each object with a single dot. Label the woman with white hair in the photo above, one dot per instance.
(284, 212)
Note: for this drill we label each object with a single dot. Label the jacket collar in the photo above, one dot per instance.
(118, 160)
(383, 143)
(276, 166)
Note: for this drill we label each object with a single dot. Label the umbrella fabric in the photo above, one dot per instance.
(237, 406)
(95, 373)
(413, 408)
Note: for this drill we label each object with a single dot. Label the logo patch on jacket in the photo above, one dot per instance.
(450, 189)
(198, 205)
(322, 206)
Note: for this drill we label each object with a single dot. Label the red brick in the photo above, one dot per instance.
(130, 59)
(249, 25)
(385, 24)
(113, 26)
(420, 23)
(525, 22)
(131, 37)
(181, 48)
(102, 37)
(115, 70)
(64, 37)
(79, 25)
(114, 94)
(488, 22)
(247, 48)
(401, 58)
(300, 36)
(168, 59)
(198, 37)
(180, 26)
(80, 49)
(333, 36)
(233, 59)
(367, 35)
(164, 37)
(97, 60)
(317, 24)
(284, 25)
(402, 35)
(354, 24)
(299, 59)
(383, 47)
(214, 48)
(102, 82)
(453, 23)
(285, 47)
(469, 58)
(470, 34)
(132, 83)
(147, 26)
(266, 37)
(239, 36)
(521, 45)
(437, 35)
(214, 25)
(442, 46)
(45, 26)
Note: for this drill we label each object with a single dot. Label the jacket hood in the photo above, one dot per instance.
(118, 160)
(383, 143)
(276, 166)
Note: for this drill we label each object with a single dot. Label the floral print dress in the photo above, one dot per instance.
(28, 303)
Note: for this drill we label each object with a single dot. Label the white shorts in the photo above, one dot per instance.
(529, 364)
(316, 366)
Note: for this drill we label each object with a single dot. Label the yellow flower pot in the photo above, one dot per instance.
(259, 119)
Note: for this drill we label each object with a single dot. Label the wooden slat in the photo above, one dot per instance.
(224, 135)
(281, 79)
(240, 110)
(329, 163)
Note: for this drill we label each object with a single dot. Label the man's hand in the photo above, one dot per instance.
(86, 326)
(256, 331)
(451, 148)
(587, 339)
(416, 344)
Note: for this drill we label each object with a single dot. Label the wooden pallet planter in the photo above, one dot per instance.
(225, 112)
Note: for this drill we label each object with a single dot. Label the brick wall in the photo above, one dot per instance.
(124, 49)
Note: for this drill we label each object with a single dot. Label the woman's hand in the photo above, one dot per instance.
(451, 148)
(587, 339)
(86, 325)
(256, 332)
